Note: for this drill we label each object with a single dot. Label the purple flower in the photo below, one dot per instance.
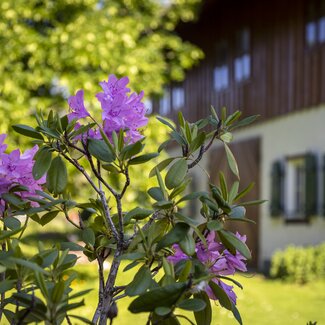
(217, 259)
(16, 169)
(77, 106)
(226, 288)
(178, 255)
(120, 111)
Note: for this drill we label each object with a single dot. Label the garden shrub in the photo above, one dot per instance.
(299, 264)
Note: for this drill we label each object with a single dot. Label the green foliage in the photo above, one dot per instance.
(109, 229)
(51, 48)
(299, 264)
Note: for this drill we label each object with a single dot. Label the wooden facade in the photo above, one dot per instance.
(287, 70)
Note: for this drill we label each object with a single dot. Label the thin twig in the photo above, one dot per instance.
(69, 220)
(28, 310)
(68, 320)
(82, 170)
(127, 181)
(120, 296)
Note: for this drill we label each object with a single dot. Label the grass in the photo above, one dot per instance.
(262, 302)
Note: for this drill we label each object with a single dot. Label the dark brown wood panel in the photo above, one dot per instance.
(286, 74)
(247, 154)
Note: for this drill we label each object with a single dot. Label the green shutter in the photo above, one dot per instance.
(311, 184)
(277, 189)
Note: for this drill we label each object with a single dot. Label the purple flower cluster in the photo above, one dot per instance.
(120, 110)
(16, 169)
(218, 260)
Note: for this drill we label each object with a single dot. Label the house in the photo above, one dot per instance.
(267, 58)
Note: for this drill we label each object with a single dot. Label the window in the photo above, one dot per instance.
(242, 63)
(221, 71)
(295, 188)
(164, 103)
(294, 193)
(178, 97)
(315, 23)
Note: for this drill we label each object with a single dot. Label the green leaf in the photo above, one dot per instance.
(13, 199)
(186, 270)
(192, 304)
(161, 166)
(79, 294)
(131, 150)
(164, 145)
(41, 283)
(6, 285)
(158, 297)
(168, 267)
(156, 194)
(233, 243)
(57, 176)
(175, 235)
(163, 205)
(221, 295)
(198, 141)
(193, 222)
(236, 314)
(245, 121)
(137, 214)
(140, 283)
(143, 158)
(215, 225)
(7, 234)
(226, 137)
(178, 138)
(27, 131)
(203, 317)
(176, 174)
(164, 121)
(83, 129)
(12, 223)
(233, 192)
(43, 160)
(161, 183)
(187, 245)
(250, 203)
(223, 185)
(244, 191)
(231, 161)
(163, 311)
(232, 280)
(28, 264)
(83, 319)
(88, 236)
(232, 118)
(71, 246)
(48, 217)
(191, 196)
(100, 150)
(237, 212)
(58, 291)
(132, 256)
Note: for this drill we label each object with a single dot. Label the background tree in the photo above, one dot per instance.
(50, 47)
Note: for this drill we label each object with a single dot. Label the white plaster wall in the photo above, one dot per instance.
(293, 134)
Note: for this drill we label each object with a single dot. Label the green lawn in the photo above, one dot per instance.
(262, 302)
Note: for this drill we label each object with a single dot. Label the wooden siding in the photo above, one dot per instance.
(286, 75)
(247, 154)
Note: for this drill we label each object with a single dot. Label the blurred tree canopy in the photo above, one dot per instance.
(51, 48)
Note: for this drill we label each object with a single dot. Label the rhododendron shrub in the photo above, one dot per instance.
(183, 260)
